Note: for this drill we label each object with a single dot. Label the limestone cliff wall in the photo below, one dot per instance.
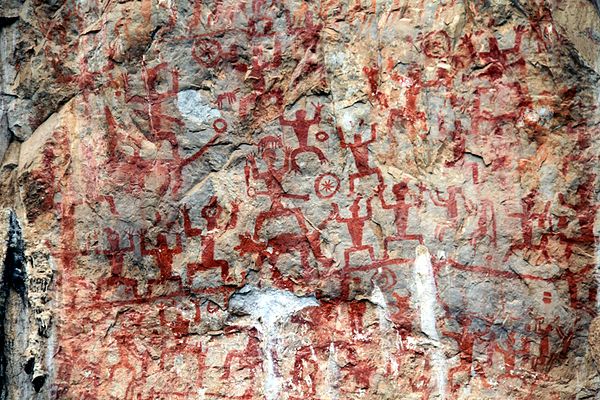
(281, 199)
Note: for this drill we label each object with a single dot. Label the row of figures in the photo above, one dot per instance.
(479, 350)
(269, 174)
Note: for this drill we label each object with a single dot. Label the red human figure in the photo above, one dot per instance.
(131, 359)
(466, 342)
(152, 105)
(273, 248)
(302, 243)
(163, 256)
(510, 353)
(360, 151)
(115, 253)
(458, 140)
(401, 210)
(450, 204)
(372, 75)
(356, 315)
(497, 61)
(357, 372)
(211, 214)
(486, 217)
(540, 361)
(306, 368)
(566, 340)
(415, 122)
(256, 77)
(355, 225)
(272, 178)
(248, 359)
(403, 318)
(420, 380)
(133, 170)
(179, 326)
(301, 126)
(298, 239)
(180, 329)
(574, 279)
(527, 217)
(523, 354)
(258, 68)
(585, 209)
(92, 181)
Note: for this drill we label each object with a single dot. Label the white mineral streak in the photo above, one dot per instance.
(425, 292)
(425, 297)
(387, 339)
(268, 308)
(333, 374)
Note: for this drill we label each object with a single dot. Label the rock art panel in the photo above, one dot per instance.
(299, 200)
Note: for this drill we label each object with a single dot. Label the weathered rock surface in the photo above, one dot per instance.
(299, 200)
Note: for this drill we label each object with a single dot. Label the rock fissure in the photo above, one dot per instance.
(13, 279)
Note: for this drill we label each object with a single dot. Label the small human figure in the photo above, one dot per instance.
(585, 209)
(355, 225)
(359, 376)
(306, 368)
(249, 359)
(163, 256)
(133, 359)
(403, 317)
(510, 353)
(401, 210)
(360, 152)
(211, 214)
(256, 76)
(458, 144)
(540, 361)
(115, 253)
(466, 343)
(451, 206)
(302, 243)
(152, 105)
(578, 280)
(272, 178)
(486, 224)
(173, 318)
(527, 218)
(301, 126)
(413, 120)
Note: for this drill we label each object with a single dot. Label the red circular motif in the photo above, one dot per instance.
(385, 278)
(436, 44)
(326, 185)
(220, 125)
(322, 136)
(206, 52)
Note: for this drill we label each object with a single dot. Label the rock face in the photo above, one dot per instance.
(293, 200)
